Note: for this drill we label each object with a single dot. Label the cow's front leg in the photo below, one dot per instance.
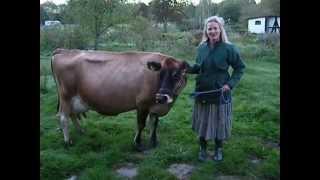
(141, 123)
(153, 137)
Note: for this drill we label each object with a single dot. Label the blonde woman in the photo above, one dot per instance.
(212, 113)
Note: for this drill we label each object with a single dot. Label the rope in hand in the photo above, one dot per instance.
(197, 93)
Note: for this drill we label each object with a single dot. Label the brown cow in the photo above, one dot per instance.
(111, 83)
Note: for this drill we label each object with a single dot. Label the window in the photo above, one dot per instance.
(257, 22)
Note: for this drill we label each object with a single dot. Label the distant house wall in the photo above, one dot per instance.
(256, 25)
(265, 24)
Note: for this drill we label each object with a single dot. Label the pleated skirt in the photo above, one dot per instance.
(212, 121)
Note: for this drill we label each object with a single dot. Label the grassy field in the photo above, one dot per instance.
(252, 151)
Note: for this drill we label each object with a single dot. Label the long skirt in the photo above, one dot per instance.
(212, 121)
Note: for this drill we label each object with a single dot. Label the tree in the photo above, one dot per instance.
(43, 15)
(230, 10)
(272, 5)
(97, 16)
(167, 10)
(204, 10)
(50, 9)
(143, 10)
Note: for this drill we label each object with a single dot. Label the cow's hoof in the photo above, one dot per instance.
(68, 144)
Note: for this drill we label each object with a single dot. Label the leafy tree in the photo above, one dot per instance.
(165, 11)
(43, 15)
(272, 5)
(204, 10)
(143, 10)
(230, 10)
(97, 16)
(50, 9)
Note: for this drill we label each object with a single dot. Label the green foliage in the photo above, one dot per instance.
(96, 16)
(143, 10)
(145, 34)
(70, 37)
(165, 11)
(272, 5)
(230, 10)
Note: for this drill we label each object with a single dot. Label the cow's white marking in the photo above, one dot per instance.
(78, 105)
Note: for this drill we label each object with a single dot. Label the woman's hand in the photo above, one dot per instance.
(225, 88)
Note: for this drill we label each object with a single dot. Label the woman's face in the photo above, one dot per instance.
(213, 31)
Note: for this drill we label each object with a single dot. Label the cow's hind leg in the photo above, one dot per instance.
(75, 120)
(64, 122)
(153, 137)
(141, 123)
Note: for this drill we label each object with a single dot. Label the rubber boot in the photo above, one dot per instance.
(218, 154)
(203, 149)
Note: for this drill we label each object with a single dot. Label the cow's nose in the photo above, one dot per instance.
(161, 99)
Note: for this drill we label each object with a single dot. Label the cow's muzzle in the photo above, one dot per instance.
(163, 98)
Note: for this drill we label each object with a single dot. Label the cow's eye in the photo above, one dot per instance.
(175, 75)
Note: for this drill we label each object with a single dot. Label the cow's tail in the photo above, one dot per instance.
(55, 79)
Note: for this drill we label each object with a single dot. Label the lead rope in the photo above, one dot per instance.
(197, 93)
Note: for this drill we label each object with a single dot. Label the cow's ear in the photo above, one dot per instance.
(154, 66)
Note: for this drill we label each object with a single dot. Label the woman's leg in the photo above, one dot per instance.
(218, 154)
(203, 149)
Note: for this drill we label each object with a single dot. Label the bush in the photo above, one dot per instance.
(196, 37)
(62, 37)
(44, 75)
(269, 39)
(145, 33)
(43, 84)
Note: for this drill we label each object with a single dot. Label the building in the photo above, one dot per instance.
(264, 24)
(52, 23)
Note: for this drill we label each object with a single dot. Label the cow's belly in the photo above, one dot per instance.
(109, 98)
(79, 106)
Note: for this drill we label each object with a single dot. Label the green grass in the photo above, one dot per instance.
(107, 142)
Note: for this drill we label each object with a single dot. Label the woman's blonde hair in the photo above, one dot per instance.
(220, 21)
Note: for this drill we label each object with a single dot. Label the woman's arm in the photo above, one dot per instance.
(195, 69)
(238, 66)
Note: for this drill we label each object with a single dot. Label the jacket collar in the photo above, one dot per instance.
(216, 44)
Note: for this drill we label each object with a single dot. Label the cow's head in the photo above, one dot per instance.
(172, 79)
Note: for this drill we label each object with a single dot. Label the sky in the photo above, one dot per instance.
(145, 1)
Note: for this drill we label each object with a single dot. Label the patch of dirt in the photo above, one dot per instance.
(181, 171)
(128, 170)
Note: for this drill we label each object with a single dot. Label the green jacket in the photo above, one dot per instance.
(212, 66)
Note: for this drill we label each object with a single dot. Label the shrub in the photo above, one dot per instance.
(71, 37)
